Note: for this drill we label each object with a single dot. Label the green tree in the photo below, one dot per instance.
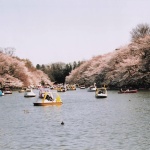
(74, 64)
(67, 70)
(57, 72)
(38, 67)
(43, 68)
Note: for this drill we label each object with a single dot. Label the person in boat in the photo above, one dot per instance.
(100, 92)
(49, 98)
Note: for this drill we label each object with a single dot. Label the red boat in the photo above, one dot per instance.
(127, 91)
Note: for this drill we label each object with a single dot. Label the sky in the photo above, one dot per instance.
(49, 31)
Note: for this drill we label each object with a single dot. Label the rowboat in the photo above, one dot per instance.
(127, 91)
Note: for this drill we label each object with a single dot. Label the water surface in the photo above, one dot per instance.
(118, 122)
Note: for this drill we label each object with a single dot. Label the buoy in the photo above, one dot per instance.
(62, 123)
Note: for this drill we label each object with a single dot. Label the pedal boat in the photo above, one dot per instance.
(48, 100)
(101, 92)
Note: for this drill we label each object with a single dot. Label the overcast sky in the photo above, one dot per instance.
(47, 31)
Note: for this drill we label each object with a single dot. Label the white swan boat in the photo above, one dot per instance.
(92, 88)
(29, 93)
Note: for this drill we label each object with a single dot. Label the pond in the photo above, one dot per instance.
(118, 122)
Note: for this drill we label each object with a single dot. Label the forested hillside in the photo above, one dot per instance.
(127, 66)
(18, 72)
(59, 70)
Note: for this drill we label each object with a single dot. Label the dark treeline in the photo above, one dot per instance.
(57, 72)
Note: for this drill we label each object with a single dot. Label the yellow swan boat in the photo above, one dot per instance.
(48, 100)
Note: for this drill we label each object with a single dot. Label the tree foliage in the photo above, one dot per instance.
(38, 67)
(57, 72)
(140, 31)
(130, 67)
(29, 65)
(20, 72)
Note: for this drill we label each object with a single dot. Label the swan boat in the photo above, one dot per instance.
(92, 88)
(71, 87)
(49, 99)
(42, 92)
(29, 93)
(101, 92)
(1, 93)
(61, 89)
